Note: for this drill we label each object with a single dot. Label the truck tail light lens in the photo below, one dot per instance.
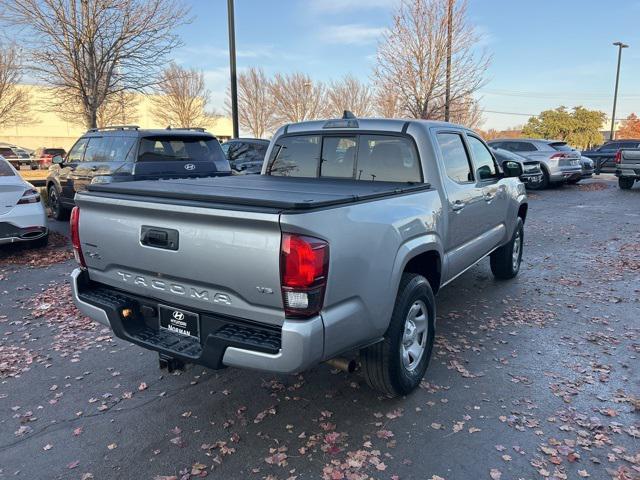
(74, 223)
(618, 157)
(304, 266)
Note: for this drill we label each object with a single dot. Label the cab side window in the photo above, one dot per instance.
(455, 157)
(483, 160)
(76, 154)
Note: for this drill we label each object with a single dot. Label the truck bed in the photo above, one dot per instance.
(286, 193)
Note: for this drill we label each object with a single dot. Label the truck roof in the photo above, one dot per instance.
(363, 124)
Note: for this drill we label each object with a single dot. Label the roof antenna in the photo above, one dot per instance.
(348, 114)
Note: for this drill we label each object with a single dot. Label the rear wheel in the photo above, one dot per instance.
(505, 261)
(58, 211)
(543, 183)
(626, 183)
(396, 365)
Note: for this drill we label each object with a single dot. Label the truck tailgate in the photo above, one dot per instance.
(630, 158)
(212, 260)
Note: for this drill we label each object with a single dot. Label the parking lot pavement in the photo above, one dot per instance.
(531, 378)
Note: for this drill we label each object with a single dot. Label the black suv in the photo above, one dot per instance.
(246, 155)
(125, 153)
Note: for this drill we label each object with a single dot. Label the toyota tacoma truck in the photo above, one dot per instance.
(339, 246)
(627, 167)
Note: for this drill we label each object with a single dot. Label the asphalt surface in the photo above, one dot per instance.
(537, 377)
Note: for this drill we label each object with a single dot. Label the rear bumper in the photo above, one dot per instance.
(22, 224)
(224, 341)
(561, 174)
(622, 171)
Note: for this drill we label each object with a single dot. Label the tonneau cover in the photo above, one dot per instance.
(262, 190)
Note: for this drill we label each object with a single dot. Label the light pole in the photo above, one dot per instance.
(447, 99)
(620, 46)
(232, 68)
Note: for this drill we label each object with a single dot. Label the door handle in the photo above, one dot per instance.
(488, 196)
(457, 206)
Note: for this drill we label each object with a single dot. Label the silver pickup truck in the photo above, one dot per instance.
(339, 246)
(627, 161)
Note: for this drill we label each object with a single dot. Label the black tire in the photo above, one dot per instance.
(40, 243)
(58, 211)
(626, 183)
(382, 363)
(503, 263)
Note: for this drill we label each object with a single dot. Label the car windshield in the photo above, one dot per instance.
(175, 148)
(561, 146)
(5, 169)
(507, 155)
(53, 151)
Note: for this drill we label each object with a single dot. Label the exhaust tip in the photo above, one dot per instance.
(343, 364)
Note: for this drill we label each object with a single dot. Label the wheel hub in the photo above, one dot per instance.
(414, 338)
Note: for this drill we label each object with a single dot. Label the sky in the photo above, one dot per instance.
(544, 53)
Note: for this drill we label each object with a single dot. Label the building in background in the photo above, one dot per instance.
(49, 130)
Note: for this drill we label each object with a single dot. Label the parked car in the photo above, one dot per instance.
(119, 154)
(531, 171)
(588, 168)
(559, 162)
(15, 155)
(41, 157)
(309, 260)
(627, 167)
(246, 155)
(22, 215)
(604, 156)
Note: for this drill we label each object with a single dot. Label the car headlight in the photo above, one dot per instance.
(101, 179)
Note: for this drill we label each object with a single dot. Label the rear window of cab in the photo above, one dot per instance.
(366, 157)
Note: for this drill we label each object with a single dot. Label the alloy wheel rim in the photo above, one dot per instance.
(53, 196)
(517, 246)
(414, 338)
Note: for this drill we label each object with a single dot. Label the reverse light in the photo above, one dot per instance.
(74, 223)
(30, 195)
(304, 266)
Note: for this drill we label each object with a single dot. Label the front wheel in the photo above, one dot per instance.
(505, 261)
(626, 183)
(58, 211)
(396, 365)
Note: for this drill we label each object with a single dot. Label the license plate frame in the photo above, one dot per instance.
(179, 321)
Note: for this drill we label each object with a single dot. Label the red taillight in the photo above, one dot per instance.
(74, 223)
(304, 265)
(558, 155)
(618, 157)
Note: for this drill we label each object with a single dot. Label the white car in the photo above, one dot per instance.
(22, 215)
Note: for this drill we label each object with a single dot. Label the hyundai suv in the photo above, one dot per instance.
(120, 154)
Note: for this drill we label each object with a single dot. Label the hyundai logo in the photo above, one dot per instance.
(189, 166)
(178, 315)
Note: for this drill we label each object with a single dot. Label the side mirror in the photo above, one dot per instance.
(57, 160)
(512, 169)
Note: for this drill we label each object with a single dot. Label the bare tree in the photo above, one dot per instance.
(387, 104)
(349, 93)
(182, 99)
(467, 112)
(120, 108)
(255, 111)
(412, 57)
(296, 98)
(89, 50)
(14, 100)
